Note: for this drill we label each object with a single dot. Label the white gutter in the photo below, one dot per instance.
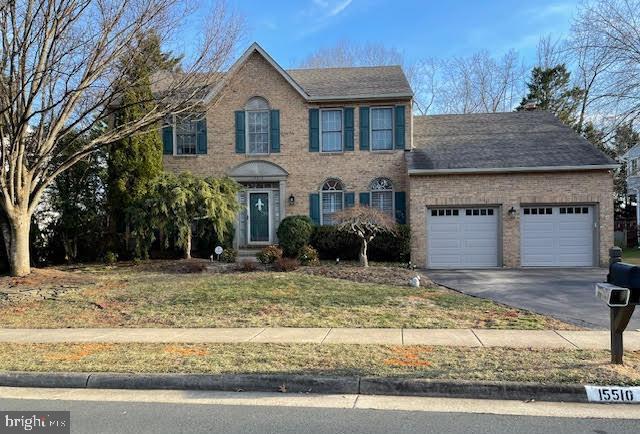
(512, 169)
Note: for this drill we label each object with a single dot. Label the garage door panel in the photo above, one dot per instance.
(539, 243)
(446, 244)
(559, 237)
(462, 240)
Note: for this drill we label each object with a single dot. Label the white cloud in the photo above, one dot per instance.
(340, 7)
(551, 10)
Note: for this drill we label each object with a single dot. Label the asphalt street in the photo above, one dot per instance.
(107, 416)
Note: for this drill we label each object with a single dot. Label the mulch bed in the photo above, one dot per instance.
(376, 274)
(41, 284)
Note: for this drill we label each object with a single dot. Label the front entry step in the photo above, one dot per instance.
(247, 254)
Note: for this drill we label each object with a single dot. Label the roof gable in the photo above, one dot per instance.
(255, 47)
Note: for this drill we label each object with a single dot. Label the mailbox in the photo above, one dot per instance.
(622, 294)
(625, 275)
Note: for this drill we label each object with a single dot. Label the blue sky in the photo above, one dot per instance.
(291, 30)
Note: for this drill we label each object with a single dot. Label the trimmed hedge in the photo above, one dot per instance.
(331, 243)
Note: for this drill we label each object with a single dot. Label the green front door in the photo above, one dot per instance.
(259, 217)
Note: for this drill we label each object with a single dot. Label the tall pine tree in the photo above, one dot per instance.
(550, 89)
(135, 161)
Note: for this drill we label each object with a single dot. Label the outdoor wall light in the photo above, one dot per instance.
(292, 200)
(512, 212)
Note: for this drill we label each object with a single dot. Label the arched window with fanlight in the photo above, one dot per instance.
(332, 200)
(257, 115)
(381, 190)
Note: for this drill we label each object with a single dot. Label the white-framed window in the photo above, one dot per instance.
(382, 195)
(332, 200)
(381, 128)
(331, 130)
(633, 167)
(185, 133)
(257, 119)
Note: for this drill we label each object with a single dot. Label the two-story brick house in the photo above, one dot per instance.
(313, 141)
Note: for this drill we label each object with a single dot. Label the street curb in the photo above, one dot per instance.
(301, 384)
(472, 389)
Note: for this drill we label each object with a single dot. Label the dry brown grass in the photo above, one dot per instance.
(480, 364)
(155, 294)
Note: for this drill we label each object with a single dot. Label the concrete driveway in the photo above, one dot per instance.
(566, 294)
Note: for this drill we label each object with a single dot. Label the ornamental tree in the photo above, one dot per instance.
(61, 76)
(174, 202)
(365, 223)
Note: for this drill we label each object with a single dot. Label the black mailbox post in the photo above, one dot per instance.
(623, 296)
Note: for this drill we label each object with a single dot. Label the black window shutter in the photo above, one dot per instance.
(348, 128)
(240, 133)
(400, 143)
(364, 128)
(275, 130)
(314, 130)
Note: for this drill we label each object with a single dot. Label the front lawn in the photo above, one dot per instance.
(161, 294)
(481, 364)
(631, 255)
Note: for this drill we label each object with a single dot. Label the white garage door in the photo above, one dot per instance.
(559, 236)
(462, 238)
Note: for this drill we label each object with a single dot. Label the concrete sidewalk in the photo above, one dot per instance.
(591, 339)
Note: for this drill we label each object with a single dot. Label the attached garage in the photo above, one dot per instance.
(557, 236)
(462, 237)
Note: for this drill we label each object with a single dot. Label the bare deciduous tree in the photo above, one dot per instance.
(550, 52)
(606, 45)
(60, 76)
(365, 222)
(421, 74)
(481, 83)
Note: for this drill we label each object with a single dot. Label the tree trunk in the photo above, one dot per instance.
(19, 259)
(363, 253)
(187, 250)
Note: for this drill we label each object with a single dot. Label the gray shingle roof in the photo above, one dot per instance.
(353, 82)
(498, 141)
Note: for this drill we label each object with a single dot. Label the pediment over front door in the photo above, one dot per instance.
(258, 170)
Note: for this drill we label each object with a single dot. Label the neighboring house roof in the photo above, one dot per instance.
(353, 82)
(499, 142)
(632, 153)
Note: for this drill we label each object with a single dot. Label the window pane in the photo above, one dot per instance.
(381, 128)
(258, 129)
(185, 134)
(383, 200)
(331, 203)
(381, 139)
(332, 130)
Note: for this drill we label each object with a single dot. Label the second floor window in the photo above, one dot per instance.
(257, 110)
(331, 127)
(381, 128)
(186, 134)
